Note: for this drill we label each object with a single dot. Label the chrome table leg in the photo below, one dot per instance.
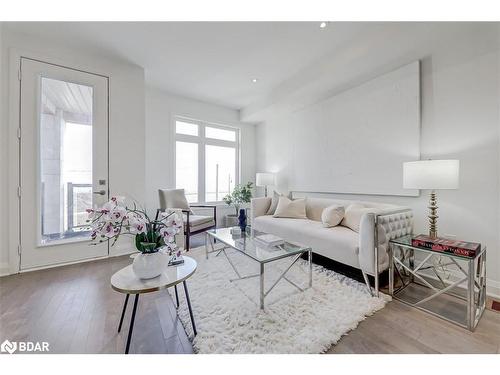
(262, 286)
(206, 245)
(471, 311)
(309, 258)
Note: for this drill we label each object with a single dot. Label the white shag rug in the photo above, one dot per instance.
(228, 318)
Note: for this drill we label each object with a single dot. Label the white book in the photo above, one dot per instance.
(269, 240)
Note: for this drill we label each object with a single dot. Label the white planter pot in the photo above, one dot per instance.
(148, 266)
(231, 220)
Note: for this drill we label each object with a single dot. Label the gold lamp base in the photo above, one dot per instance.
(433, 215)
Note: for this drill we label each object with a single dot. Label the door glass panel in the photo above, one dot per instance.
(186, 169)
(220, 172)
(65, 159)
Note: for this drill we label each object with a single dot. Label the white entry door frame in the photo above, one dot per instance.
(17, 233)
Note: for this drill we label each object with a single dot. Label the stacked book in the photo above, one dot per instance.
(444, 245)
(268, 241)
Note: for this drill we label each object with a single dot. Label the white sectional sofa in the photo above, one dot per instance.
(340, 243)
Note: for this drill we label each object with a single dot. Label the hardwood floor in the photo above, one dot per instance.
(399, 328)
(76, 311)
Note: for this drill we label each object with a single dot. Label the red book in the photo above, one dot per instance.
(445, 245)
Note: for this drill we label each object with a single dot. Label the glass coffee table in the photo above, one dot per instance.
(245, 244)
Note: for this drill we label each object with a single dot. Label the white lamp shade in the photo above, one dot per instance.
(264, 179)
(431, 174)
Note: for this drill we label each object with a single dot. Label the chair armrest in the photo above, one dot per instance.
(259, 206)
(390, 224)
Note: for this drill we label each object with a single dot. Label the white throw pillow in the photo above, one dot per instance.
(295, 209)
(353, 214)
(274, 202)
(332, 215)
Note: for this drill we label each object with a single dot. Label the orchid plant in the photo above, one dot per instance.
(115, 218)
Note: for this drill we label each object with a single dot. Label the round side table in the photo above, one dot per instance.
(125, 281)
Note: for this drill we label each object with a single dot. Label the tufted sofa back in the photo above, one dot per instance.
(395, 225)
(315, 206)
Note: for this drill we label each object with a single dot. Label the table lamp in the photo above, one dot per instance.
(264, 179)
(432, 175)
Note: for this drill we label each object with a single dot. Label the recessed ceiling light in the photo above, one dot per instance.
(322, 25)
(254, 80)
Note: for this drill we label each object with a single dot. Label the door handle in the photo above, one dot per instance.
(100, 192)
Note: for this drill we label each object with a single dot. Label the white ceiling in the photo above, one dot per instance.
(216, 61)
(210, 61)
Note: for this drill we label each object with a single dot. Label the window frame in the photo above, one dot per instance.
(203, 141)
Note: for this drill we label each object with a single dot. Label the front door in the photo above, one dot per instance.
(63, 162)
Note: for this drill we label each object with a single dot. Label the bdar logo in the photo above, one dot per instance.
(8, 347)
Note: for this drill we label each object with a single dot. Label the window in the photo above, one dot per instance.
(186, 166)
(187, 128)
(220, 172)
(222, 134)
(206, 160)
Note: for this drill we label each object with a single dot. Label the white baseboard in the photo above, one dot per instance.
(124, 252)
(493, 288)
(4, 269)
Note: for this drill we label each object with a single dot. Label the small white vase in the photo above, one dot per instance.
(148, 266)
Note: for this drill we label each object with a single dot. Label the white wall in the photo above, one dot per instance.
(161, 108)
(460, 120)
(363, 115)
(4, 260)
(126, 121)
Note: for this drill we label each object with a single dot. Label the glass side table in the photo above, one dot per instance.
(421, 278)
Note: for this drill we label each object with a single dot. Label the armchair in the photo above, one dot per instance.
(193, 223)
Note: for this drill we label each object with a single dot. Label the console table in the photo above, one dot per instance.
(460, 300)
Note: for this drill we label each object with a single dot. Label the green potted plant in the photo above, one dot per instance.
(241, 194)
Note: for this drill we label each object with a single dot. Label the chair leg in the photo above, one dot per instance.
(187, 242)
(367, 282)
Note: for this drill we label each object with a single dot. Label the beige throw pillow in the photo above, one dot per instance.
(295, 209)
(274, 202)
(332, 215)
(353, 214)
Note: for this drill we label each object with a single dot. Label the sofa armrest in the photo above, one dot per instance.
(390, 224)
(259, 206)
